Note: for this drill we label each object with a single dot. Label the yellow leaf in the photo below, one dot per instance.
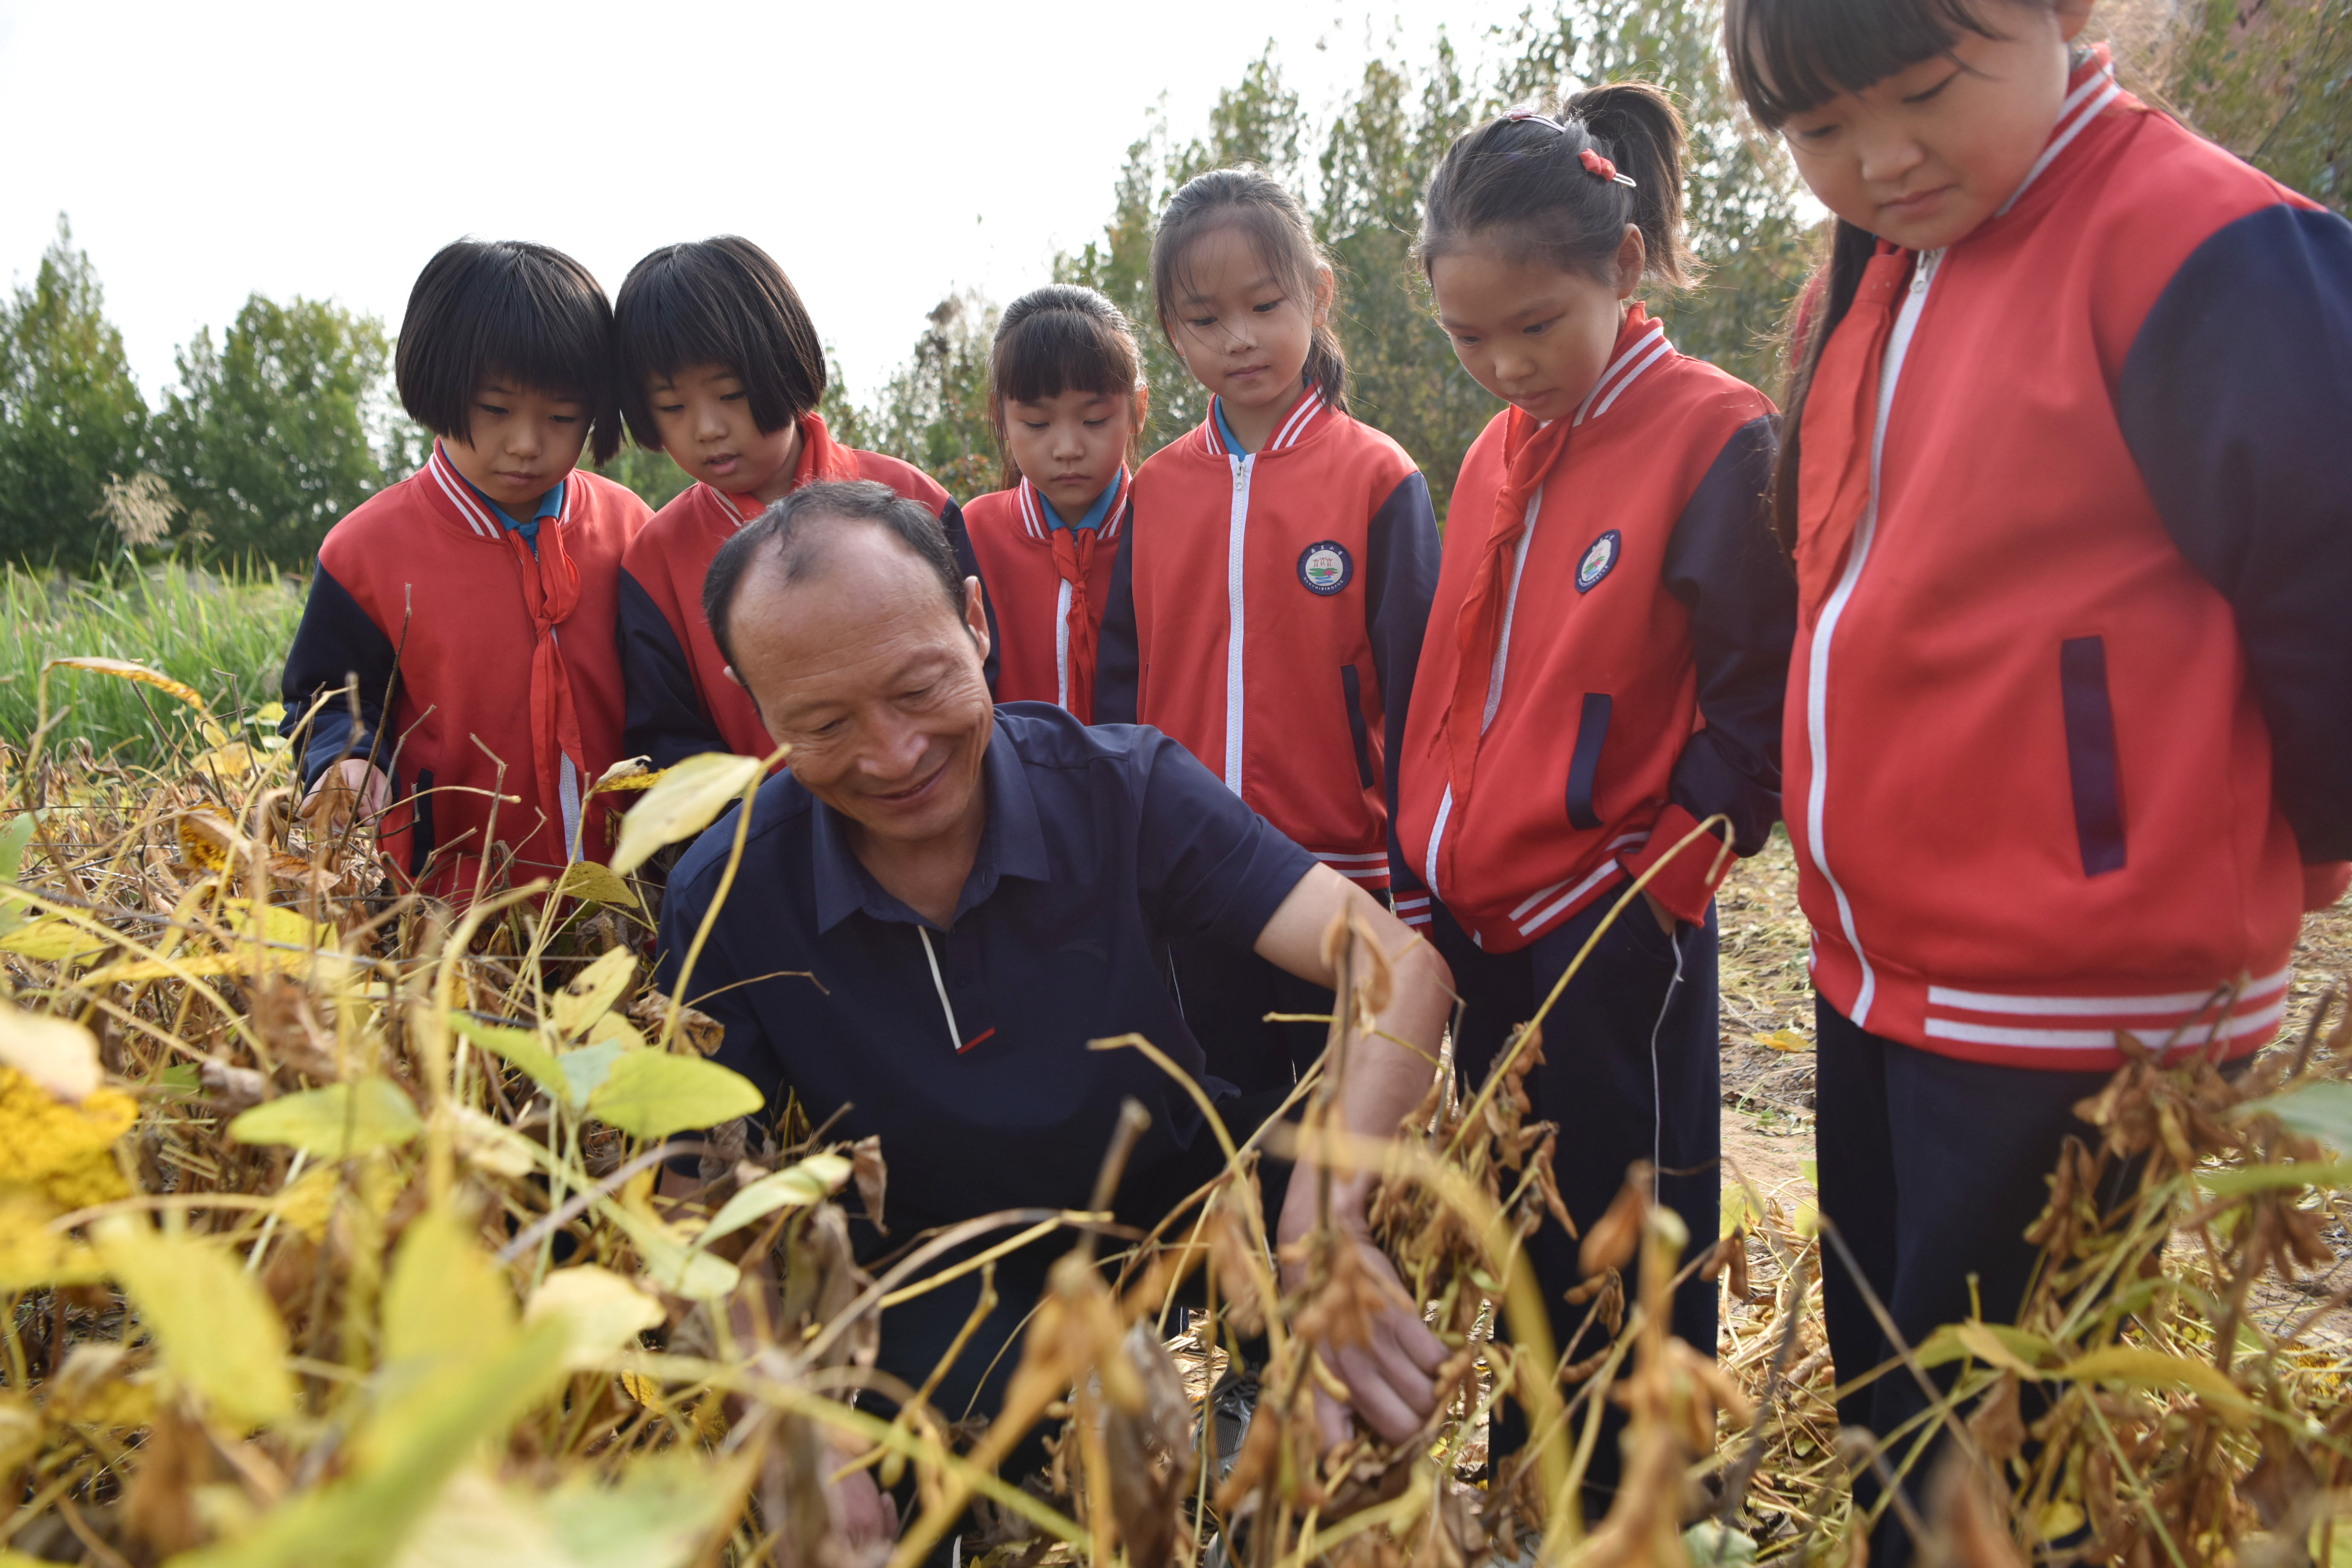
(522, 1047)
(20, 1439)
(335, 1122)
(53, 938)
(269, 716)
(650, 1094)
(2140, 1368)
(233, 761)
(214, 1324)
(696, 1276)
(446, 1299)
(812, 1181)
(1784, 1040)
(31, 1255)
(55, 1053)
(682, 805)
(489, 1144)
(597, 884)
(603, 1311)
(2059, 1520)
(207, 839)
(618, 1030)
(642, 1389)
(310, 1203)
(123, 669)
(592, 993)
(628, 774)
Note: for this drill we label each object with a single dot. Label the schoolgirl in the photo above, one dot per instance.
(1066, 392)
(1599, 695)
(1268, 607)
(720, 367)
(455, 665)
(2068, 736)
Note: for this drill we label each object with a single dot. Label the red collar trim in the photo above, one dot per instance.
(1032, 507)
(1641, 343)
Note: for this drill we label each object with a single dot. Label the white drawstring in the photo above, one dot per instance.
(955, 1036)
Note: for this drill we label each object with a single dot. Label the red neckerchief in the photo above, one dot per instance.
(1841, 418)
(551, 590)
(1074, 557)
(1529, 450)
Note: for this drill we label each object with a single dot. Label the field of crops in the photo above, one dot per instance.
(328, 1236)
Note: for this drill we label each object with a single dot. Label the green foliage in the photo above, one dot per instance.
(934, 412)
(265, 439)
(1363, 191)
(657, 479)
(2273, 83)
(224, 634)
(70, 416)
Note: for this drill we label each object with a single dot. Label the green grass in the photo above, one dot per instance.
(224, 633)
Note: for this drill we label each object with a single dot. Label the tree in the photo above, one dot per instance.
(267, 439)
(70, 416)
(2271, 81)
(934, 412)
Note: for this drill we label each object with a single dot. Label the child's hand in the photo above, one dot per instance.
(350, 786)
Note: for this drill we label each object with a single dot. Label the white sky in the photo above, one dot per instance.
(883, 152)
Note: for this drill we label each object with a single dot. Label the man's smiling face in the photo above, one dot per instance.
(864, 669)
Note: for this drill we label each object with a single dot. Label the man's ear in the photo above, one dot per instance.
(975, 616)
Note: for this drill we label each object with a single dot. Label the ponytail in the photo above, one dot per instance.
(1821, 305)
(1522, 182)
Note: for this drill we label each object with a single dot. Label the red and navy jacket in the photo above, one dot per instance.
(2069, 730)
(1266, 612)
(1633, 690)
(681, 700)
(1048, 593)
(429, 606)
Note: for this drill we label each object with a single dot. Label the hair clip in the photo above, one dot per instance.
(1600, 168)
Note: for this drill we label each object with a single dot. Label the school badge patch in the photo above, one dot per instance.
(1598, 559)
(1325, 567)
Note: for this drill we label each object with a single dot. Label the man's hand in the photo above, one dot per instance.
(1388, 1376)
(350, 786)
(864, 1516)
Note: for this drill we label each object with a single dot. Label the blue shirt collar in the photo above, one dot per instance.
(549, 505)
(1012, 844)
(1224, 431)
(1095, 515)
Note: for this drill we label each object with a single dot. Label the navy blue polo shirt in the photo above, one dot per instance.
(965, 1048)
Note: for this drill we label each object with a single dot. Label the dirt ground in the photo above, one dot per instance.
(1768, 1024)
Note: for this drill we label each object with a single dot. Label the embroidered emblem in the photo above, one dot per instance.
(1325, 568)
(1598, 560)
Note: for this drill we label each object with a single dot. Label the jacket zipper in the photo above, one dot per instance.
(1062, 646)
(1494, 677)
(1237, 533)
(1898, 347)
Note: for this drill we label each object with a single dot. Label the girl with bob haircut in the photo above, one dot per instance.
(2068, 727)
(1599, 695)
(722, 368)
(458, 646)
(1066, 397)
(1267, 609)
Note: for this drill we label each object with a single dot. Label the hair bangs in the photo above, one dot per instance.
(723, 302)
(505, 311)
(1055, 352)
(1788, 57)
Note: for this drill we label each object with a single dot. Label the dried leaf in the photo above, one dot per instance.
(592, 993)
(597, 884)
(1611, 1242)
(603, 1311)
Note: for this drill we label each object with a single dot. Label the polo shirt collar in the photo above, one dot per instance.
(1012, 844)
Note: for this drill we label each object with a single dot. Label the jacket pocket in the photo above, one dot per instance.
(1351, 687)
(2091, 761)
(1584, 764)
(420, 824)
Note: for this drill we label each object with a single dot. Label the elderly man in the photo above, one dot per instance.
(979, 892)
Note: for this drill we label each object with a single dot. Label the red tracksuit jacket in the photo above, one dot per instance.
(1634, 687)
(1266, 613)
(422, 593)
(2069, 730)
(1049, 610)
(681, 700)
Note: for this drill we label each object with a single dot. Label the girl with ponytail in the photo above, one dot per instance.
(2069, 738)
(1598, 703)
(1267, 606)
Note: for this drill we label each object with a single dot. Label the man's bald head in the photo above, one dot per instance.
(796, 536)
